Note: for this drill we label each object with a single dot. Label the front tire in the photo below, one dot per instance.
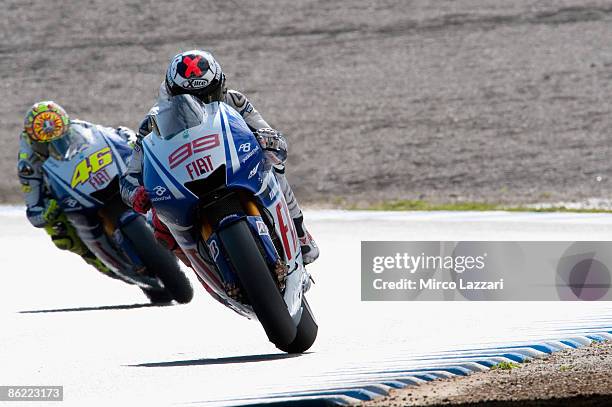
(158, 297)
(159, 261)
(258, 285)
(307, 331)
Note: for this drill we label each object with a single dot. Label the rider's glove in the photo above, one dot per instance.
(140, 200)
(146, 127)
(52, 211)
(274, 144)
(126, 134)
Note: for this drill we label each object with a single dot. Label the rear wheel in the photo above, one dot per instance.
(258, 284)
(159, 261)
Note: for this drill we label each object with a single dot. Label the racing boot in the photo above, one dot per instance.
(310, 250)
(165, 238)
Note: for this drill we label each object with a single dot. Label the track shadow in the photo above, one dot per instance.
(221, 361)
(100, 308)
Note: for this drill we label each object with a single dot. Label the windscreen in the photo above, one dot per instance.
(70, 144)
(180, 113)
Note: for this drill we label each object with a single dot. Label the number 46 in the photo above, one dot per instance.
(90, 165)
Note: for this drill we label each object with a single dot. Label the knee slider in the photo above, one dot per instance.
(62, 242)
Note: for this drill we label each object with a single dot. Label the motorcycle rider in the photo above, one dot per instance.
(45, 124)
(197, 73)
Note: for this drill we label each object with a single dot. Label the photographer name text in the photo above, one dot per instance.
(411, 264)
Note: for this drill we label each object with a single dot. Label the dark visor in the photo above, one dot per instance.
(68, 145)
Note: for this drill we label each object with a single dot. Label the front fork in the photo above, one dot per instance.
(214, 277)
(248, 205)
(116, 235)
(259, 230)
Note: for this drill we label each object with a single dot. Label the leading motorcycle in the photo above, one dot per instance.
(210, 184)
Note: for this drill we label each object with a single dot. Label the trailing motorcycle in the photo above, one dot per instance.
(82, 173)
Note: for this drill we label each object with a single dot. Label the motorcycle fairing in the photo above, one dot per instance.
(235, 141)
(57, 172)
(119, 148)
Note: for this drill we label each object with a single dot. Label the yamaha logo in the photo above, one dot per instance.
(71, 202)
(214, 249)
(262, 229)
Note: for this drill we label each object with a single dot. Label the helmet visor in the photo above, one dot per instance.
(42, 149)
(180, 113)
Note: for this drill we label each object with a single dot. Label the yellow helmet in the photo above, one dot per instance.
(46, 121)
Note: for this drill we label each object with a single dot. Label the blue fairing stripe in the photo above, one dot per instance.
(178, 186)
(117, 157)
(228, 134)
(229, 167)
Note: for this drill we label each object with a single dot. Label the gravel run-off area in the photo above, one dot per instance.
(496, 101)
(579, 377)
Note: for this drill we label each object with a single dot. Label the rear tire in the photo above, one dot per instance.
(159, 261)
(259, 286)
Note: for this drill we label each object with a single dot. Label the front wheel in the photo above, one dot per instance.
(158, 297)
(258, 285)
(159, 261)
(307, 331)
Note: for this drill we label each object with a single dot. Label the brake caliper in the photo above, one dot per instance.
(281, 270)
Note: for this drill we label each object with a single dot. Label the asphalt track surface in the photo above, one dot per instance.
(63, 324)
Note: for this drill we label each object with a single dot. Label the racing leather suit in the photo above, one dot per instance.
(43, 211)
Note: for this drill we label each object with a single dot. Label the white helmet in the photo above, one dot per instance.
(196, 73)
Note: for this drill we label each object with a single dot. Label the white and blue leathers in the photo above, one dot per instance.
(132, 179)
